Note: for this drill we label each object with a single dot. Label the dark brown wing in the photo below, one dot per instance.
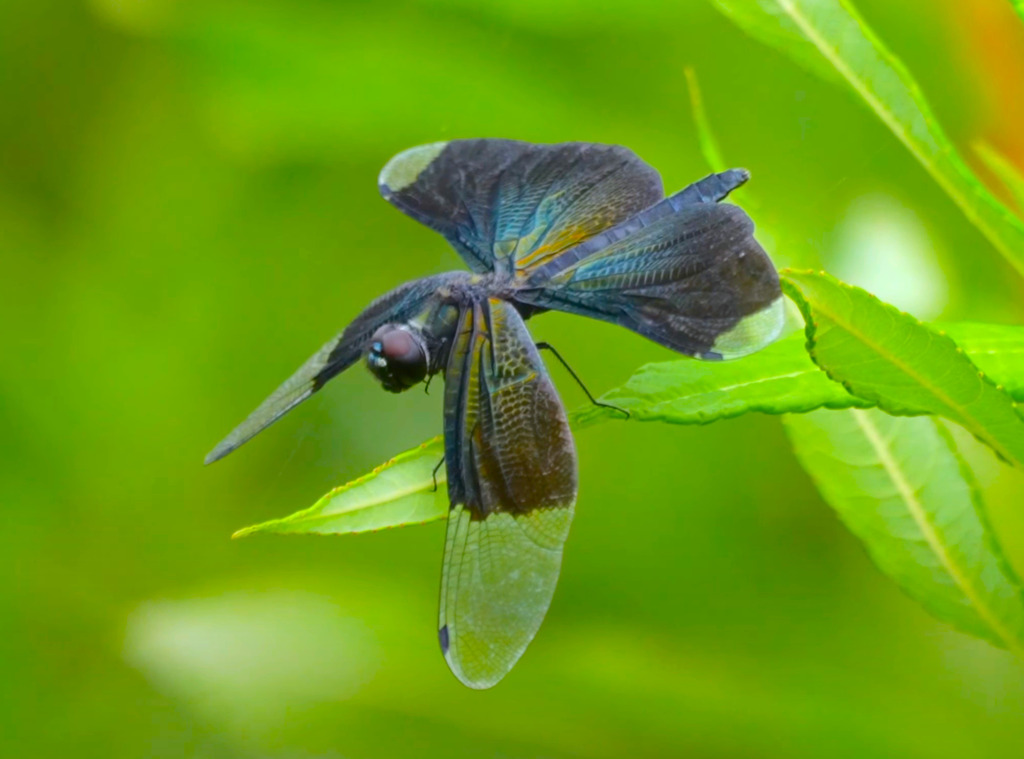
(512, 485)
(692, 278)
(509, 206)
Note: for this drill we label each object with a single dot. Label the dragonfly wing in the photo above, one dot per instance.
(509, 206)
(691, 278)
(512, 485)
(334, 357)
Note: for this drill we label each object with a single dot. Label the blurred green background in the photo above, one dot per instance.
(188, 210)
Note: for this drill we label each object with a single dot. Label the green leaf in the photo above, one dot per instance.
(996, 349)
(886, 356)
(769, 23)
(901, 487)
(1001, 166)
(399, 492)
(840, 38)
(780, 379)
(783, 379)
(705, 136)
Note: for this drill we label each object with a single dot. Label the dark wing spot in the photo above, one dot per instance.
(442, 636)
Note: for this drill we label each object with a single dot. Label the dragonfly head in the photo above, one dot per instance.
(398, 357)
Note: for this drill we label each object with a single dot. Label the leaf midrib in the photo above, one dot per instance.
(392, 495)
(661, 404)
(885, 114)
(933, 539)
(300, 518)
(966, 419)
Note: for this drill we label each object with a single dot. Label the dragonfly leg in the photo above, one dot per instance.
(550, 347)
(435, 363)
(434, 474)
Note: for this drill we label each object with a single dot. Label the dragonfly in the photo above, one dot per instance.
(577, 227)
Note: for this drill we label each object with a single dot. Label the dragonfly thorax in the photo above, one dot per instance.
(398, 357)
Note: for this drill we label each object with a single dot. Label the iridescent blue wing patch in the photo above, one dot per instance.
(512, 486)
(511, 206)
(688, 275)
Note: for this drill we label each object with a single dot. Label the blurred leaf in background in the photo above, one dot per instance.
(846, 46)
(188, 209)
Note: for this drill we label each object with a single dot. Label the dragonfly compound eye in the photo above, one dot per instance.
(397, 356)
